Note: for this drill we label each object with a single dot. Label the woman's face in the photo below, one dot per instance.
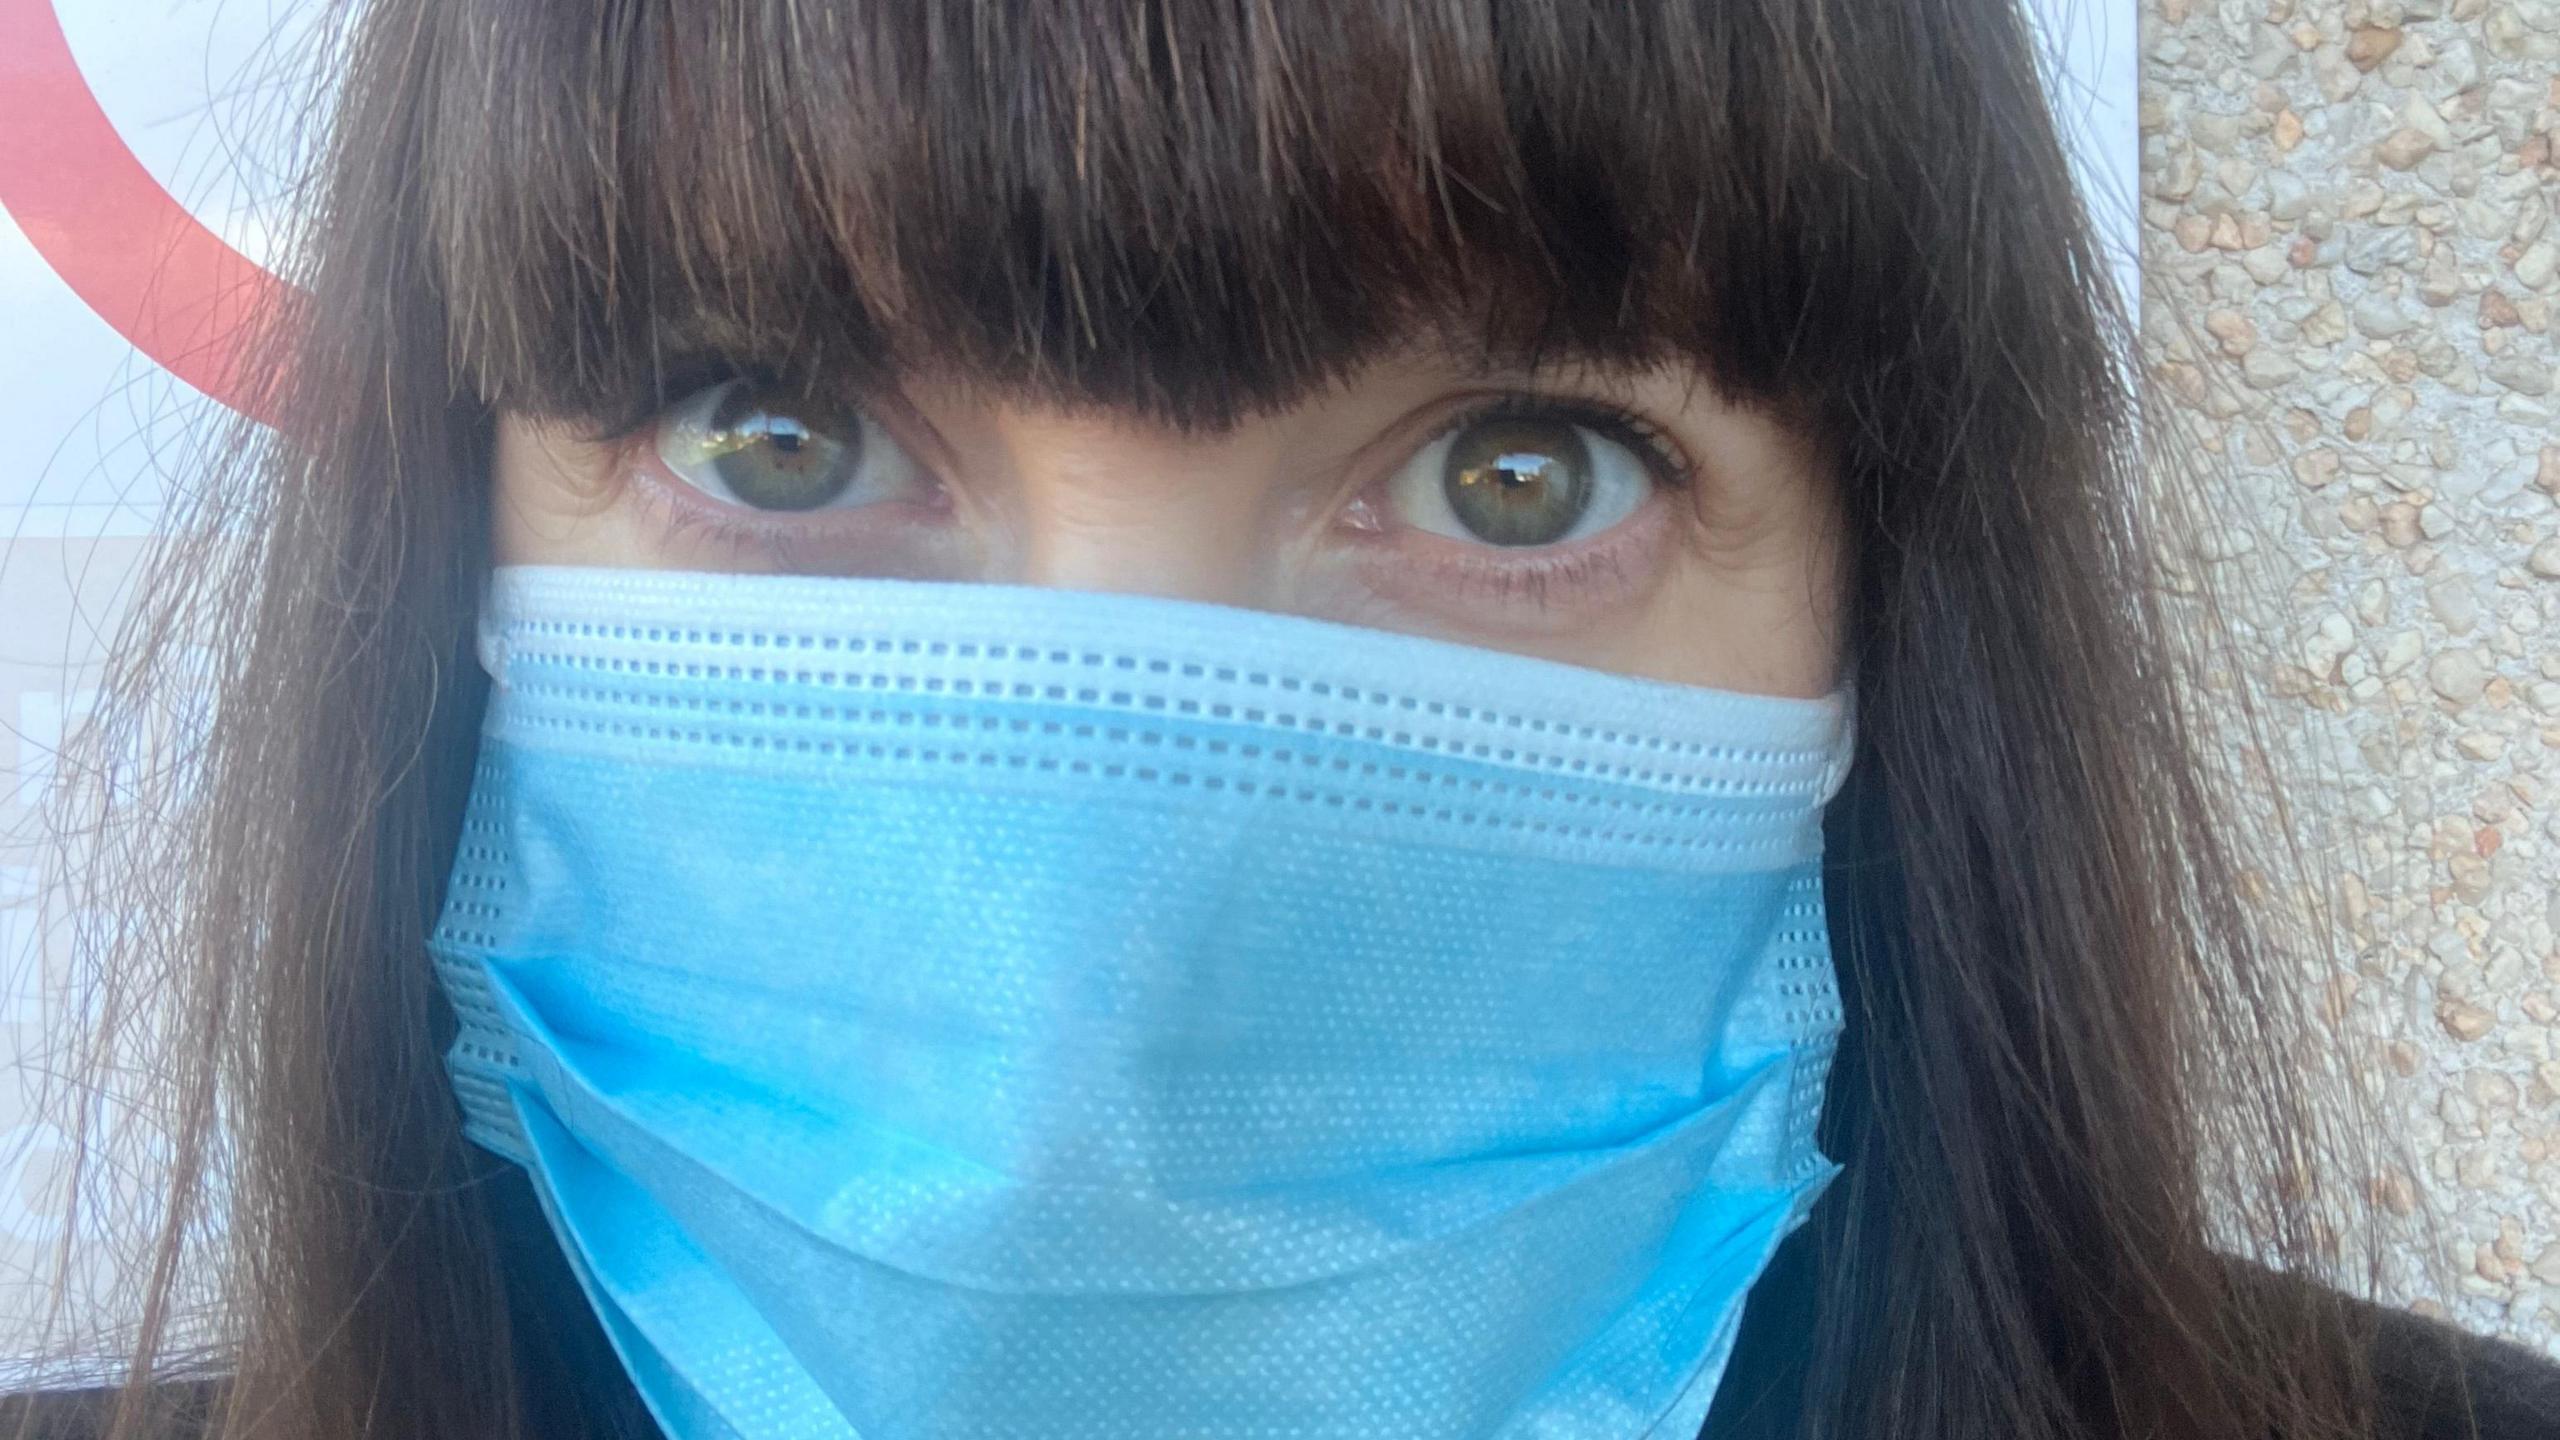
(1632, 521)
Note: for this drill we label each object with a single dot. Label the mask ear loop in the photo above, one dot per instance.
(1844, 750)
(489, 640)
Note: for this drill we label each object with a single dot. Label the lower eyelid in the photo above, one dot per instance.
(888, 537)
(1564, 582)
(676, 520)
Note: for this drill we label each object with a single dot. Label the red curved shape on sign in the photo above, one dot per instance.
(120, 241)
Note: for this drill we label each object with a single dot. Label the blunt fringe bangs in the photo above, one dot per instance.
(1197, 211)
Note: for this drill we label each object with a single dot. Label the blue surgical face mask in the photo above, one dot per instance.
(963, 1010)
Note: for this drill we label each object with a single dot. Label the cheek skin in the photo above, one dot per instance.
(1750, 589)
(555, 503)
(1762, 618)
(1756, 593)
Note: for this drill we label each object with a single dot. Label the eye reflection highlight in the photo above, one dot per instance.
(747, 444)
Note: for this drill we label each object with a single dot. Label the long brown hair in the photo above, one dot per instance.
(2068, 1041)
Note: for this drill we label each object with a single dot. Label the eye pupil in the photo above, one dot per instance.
(1519, 481)
(773, 457)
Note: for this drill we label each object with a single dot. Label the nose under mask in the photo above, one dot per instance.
(977, 1010)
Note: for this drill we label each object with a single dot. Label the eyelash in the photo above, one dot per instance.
(789, 545)
(627, 418)
(623, 419)
(785, 547)
(1670, 465)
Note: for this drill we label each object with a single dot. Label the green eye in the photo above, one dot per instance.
(1520, 480)
(741, 442)
(774, 459)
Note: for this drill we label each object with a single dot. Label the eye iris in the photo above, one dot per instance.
(773, 458)
(1521, 481)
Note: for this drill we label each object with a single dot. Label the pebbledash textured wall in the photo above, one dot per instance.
(2352, 269)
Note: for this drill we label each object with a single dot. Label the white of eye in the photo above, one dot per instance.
(1613, 482)
(761, 453)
